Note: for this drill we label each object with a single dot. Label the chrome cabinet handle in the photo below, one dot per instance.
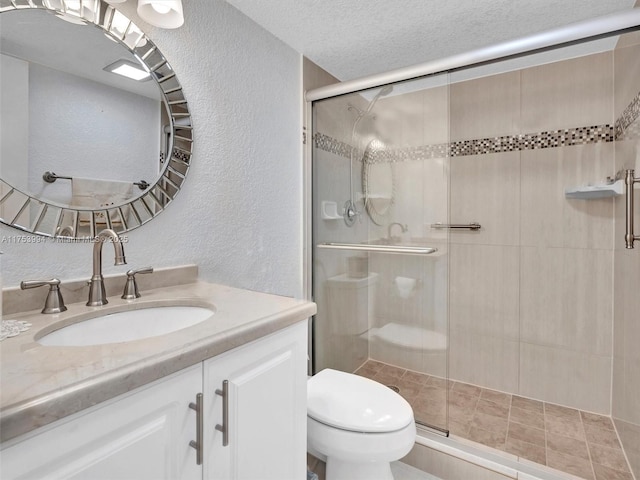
(197, 444)
(224, 428)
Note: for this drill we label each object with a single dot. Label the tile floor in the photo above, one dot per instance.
(576, 442)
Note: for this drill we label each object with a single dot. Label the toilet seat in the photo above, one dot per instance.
(350, 402)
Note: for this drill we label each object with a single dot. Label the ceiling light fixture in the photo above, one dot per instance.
(161, 13)
(128, 69)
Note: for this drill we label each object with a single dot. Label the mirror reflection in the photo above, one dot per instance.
(65, 111)
(128, 146)
(378, 181)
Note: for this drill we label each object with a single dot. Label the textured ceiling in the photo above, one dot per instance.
(355, 38)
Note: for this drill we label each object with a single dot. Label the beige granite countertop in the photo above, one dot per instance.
(42, 384)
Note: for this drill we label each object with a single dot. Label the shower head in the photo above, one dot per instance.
(386, 90)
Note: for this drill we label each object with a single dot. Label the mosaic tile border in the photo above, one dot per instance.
(331, 145)
(627, 126)
(530, 141)
(533, 141)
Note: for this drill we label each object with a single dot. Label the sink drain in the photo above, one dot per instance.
(394, 388)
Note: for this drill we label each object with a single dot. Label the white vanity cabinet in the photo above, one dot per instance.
(146, 433)
(143, 434)
(265, 400)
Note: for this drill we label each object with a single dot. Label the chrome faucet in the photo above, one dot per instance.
(404, 228)
(97, 294)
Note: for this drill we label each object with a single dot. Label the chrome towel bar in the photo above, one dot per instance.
(629, 181)
(364, 247)
(457, 226)
(51, 177)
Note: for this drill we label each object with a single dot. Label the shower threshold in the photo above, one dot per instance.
(509, 428)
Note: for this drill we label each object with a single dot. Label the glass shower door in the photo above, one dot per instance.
(380, 263)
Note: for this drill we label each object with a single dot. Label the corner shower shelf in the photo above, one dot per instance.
(599, 190)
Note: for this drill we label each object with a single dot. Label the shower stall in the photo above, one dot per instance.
(468, 247)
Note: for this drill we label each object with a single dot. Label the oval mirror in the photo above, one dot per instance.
(378, 182)
(95, 131)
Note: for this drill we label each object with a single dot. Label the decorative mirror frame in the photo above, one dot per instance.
(375, 154)
(157, 196)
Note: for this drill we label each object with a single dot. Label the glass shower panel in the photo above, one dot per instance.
(380, 271)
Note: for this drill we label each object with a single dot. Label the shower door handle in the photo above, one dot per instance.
(629, 181)
(365, 247)
(457, 226)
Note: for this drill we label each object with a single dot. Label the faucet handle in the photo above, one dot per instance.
(54, 302)
(131, 287)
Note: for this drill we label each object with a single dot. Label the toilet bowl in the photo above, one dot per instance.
(358, 425)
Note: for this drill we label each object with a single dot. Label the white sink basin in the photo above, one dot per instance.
(127, 326)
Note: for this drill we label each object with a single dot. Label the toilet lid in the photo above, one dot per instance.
(355, 403)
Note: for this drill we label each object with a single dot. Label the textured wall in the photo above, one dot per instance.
(239, 215)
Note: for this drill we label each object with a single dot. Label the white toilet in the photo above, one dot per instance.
(359, 426)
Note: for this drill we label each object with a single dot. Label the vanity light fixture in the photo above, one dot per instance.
(161, 13)
(128, 69)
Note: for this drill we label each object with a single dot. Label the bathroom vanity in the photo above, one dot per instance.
(222, 399)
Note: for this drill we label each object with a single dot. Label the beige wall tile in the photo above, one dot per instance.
(399, 119)
(566, 299)
(626, 367)
(483, 360)
(485, 107)
(421, 196)
(551, 219)
(566, 377)
(486, 189)
(628, 310)
(566, 94)
(484, 289)
(436, 115)
(627, 76)
(632, 390)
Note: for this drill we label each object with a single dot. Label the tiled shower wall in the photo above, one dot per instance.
(531, 292)
(626, 356)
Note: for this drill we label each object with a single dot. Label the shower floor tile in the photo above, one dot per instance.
(573, 441)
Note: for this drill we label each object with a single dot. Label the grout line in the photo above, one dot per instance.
(624, 452)
(546, 435)
(586, 441)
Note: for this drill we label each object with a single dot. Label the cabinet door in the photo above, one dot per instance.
(144, 434)
(267, 395)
